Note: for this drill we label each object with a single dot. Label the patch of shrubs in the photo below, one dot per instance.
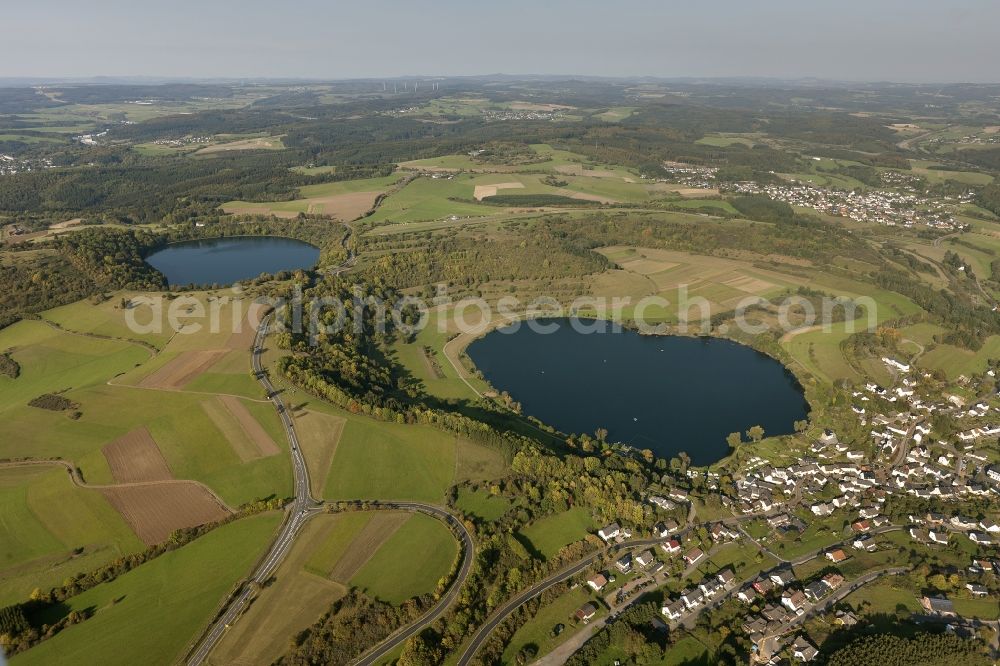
(9, 367)
(53, 402)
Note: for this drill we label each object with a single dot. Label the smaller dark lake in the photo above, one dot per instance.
(227, 260)
(665, 393)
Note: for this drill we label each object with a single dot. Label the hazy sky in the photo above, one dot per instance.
(901, 40)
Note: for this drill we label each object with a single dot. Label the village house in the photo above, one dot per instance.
(609, 532)
(586, 612)
(833, 580)
(671, 547)
(845, 618)
(816, 590)
(720, 532)
(692, 598)
(977, 590)
(938, 606)
(803, 650)
(645, 558)
(794, 600)
(624, 563)
(710, 588)
(674, 611)
(693, 556)
(836, 556)
(597, 582)
(937, 536)
(782, 578)
(726, 577)
(763, 585)
(661, 502)
(981, 566)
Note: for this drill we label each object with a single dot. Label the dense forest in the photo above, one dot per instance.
(922, 650)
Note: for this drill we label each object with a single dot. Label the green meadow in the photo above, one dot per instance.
(538, 630)
(153, 613)
(482, 504)
(50, 530)
(400, 462)
(550, 534)
(411, 562)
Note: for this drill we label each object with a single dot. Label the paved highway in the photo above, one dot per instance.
(303, 507)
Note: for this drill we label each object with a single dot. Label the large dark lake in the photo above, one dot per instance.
(665, 393)
(224, 261)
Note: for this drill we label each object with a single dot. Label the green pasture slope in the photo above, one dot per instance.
(151, 614)
(411, 562)
(45, 518)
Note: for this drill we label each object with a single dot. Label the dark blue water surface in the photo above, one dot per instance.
(227, 260)
(665, 393)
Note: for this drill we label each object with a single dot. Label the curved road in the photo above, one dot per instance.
(305, 507)
(501, 613)
(395, 639)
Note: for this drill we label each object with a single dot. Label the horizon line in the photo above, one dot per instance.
(690, 78)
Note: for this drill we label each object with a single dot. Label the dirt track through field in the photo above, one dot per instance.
(155, 510)
(183, 369)
(369, 539)
(135, 457)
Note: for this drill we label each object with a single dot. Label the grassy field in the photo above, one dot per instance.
(724, 140)
(551, 533)
(319, 435)
(411, 562)
(883, 597)
(292, 602)
(314, 198)
(104, 318)
(954, 361)
(81, 367)
(53, 530)
(403, 462)
(616, 114)
(538, 630)
(151, 614)
(820, 533)
(400, 462)
(936, 176)
(482, 504)
(44, 519)
(336, 539)
(52, 361)
(984, 609)
(434, 370)
(688, 651)
(428, 199)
